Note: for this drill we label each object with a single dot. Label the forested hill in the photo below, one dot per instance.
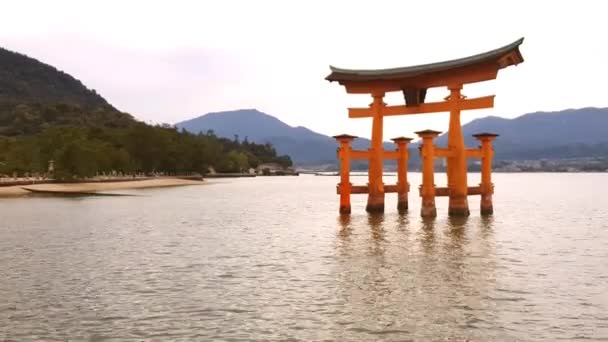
(25, 80)
(46, 114)
(34, 96)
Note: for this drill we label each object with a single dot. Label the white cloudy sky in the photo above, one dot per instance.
(166, 61)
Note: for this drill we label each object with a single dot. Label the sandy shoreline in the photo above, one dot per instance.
(18, 190)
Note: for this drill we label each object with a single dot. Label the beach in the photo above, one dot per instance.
(20, 190)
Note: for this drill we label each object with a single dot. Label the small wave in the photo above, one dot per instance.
(113, 318)
(504, 299)
(380, 332)
(513, 291)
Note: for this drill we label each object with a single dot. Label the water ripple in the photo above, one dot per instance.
(269, 259)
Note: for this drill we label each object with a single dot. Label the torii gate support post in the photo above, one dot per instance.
(403, 187)
(427, 189)
(375, 198)
(457, 162)
(487, 188)
(344, 155)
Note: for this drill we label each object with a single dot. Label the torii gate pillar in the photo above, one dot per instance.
(487, 188)
(457, 161)
(375, 198)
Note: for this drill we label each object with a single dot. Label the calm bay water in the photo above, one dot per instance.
(270, 259)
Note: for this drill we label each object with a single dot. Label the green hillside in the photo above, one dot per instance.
(46, 114)
(35, 96)
(27, 80)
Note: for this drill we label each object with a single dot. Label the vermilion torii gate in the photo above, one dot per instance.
(414, 82)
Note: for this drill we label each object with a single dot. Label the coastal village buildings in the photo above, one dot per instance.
(267, 169)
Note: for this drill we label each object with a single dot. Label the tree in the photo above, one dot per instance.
(82, 151)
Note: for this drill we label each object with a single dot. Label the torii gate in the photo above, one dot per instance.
(413, 82)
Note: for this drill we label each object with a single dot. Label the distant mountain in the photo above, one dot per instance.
(34, 95)
(565, 134)
(552, 135)
(303, 145)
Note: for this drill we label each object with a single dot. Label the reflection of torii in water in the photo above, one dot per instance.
(414, 82)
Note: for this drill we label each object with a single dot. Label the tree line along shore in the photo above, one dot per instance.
(106, 147)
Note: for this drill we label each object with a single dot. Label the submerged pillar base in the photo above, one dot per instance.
(459, 212)
(345, 209)
(428, 208)
(428, 212)
(375, 208)
(459, 206)
(402, 206)
(375, 203)
(486, 207)
(487, 210)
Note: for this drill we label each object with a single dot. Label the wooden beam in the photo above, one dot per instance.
(432, 107)
(474, 190)
(354, 189)
(443, 191)
(473, 153)
(359, 113)
(390, 155)
(443, 152)
(360, 189)
(364, 154)
(359, 154)
(363, 189)
(390, 188)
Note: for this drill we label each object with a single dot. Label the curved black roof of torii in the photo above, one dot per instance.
(503, 56)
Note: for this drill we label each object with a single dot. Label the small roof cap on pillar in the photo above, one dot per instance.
(485, 135)
(428, 132)
(401, 139)
(344, 136)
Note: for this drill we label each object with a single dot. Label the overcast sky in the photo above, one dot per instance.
(167, 61)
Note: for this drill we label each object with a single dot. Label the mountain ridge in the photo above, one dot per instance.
(541, 130)
(574, 132)
(311, 147)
